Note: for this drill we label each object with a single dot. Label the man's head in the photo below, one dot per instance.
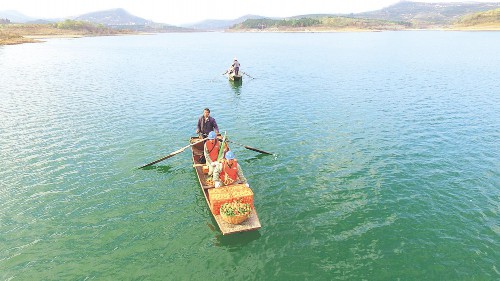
(206, 112)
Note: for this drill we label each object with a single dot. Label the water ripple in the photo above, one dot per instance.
(384, 157)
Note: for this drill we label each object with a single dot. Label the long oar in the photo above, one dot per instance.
(172, 154)
(247, 75)
(251, 148)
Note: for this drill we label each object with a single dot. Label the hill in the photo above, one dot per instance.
(403, 15)
(326, 23)
(113, 17)
(121, 19)
(15, 16)
(422, 15)
(220, 24)
(489, 20)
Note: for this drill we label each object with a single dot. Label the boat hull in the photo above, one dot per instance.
(252, 223)
(235, 78)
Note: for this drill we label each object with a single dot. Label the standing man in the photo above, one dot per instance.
(206, 124)
(236, 66)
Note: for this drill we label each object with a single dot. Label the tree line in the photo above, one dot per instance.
(81, 25)
(266, 23)
(327, 22)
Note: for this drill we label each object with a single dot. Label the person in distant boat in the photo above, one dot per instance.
(228, 171)
(206, 124)
(235, 66)
(211, 151)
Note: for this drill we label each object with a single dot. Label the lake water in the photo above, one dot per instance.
(386, 168)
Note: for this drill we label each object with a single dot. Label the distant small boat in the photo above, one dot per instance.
(252, 223)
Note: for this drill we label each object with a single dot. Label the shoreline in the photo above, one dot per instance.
(12, 34)
(15, 39)
(344, 30)
(54, 36)
(39, 38)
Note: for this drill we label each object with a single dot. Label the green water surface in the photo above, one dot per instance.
(386, 165)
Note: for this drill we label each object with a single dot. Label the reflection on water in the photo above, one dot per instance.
(236, 240)
(164, 169)
(254, 157)
(236, 86)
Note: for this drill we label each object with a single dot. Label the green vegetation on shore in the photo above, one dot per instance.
(488, 20)
(267, 23)
(483, 20)
(402, 16)
(332, 23)
(91, 28)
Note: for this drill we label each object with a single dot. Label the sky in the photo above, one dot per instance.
(190, 11)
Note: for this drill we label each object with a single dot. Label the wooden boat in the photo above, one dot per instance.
(235, 78)
(252, 223)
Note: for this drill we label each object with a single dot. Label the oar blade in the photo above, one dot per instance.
(248, 75)
(165, 157)
(157, 161)
(251, 148)
(257, 150)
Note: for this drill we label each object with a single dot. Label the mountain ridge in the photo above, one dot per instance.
(213, 24)
(419, 14)
(117, 16)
